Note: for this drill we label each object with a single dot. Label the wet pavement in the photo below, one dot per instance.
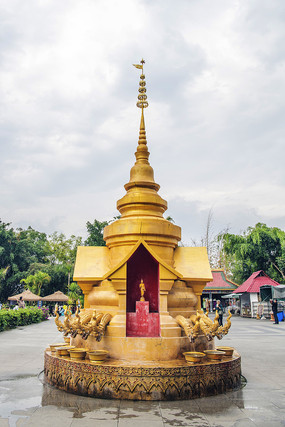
(26, 401)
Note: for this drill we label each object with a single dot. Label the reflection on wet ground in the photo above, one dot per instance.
(19, 397)
(26, 401)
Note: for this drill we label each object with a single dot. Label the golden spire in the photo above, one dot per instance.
(142, 98)
(142, 103)
(142, 208)
(142, 172)
(141, 198)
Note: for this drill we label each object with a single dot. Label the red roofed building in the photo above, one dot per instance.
(214, 290)
(253, 283)
(250, 291)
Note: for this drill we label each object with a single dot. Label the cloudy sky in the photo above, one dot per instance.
(215, 73)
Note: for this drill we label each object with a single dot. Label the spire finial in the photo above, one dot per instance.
(141, 199)
(142, 98)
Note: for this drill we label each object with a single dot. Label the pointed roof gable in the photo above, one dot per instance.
(220, 282)
(151, 251)
(93, 264)
(253, 283)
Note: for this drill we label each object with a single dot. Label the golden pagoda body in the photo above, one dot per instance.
(141, 300)
(143, 245)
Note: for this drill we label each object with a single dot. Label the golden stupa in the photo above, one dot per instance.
(142, 245)
(141, 298)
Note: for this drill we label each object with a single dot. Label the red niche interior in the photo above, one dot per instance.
(142, 266)
(142, 316)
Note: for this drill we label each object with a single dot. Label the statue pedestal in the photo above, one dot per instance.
(142, 323)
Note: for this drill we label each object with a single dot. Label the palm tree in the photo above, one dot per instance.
(36, 281)
(74, 293)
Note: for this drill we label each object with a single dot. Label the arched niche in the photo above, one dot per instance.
(142, 319)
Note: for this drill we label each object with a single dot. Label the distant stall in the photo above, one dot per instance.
(267, 293)
(57, 296)
(278, 292)
(251, 296)
(217, 289)
(26, 296)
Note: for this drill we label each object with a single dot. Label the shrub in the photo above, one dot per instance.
(10, 319)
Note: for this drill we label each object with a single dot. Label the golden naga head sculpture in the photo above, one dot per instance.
(201, 324)
(85, 324)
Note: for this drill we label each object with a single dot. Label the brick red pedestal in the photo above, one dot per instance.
(142, 323)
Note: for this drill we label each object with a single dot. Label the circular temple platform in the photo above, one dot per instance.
(118, 379)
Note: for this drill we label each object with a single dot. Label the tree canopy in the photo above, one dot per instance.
(42, 263)
(95, 233)
(258, 248)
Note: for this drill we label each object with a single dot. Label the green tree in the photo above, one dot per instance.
(36, 281)
(258, 248)
(75, 293)
(59, 277)
(18, 249)
(32, 246)
(63, 252)
(95, 233)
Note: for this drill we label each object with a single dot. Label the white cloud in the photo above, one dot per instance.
(215, 122)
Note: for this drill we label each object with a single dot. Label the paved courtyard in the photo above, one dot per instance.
(26, 401)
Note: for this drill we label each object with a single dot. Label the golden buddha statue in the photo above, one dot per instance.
(142, 288)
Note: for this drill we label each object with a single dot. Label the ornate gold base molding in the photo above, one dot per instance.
(171, 380)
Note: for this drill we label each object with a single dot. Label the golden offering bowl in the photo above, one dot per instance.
(64, 351)
(97, 356)
(193, 356)
(67, 340)
(214, 354)
(77, 353)
(228, 350)
(54, 346)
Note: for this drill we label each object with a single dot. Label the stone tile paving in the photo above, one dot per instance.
(26, 401)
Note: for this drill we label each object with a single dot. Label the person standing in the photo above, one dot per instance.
(274, 310)
(220, 311)
(21, 303)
